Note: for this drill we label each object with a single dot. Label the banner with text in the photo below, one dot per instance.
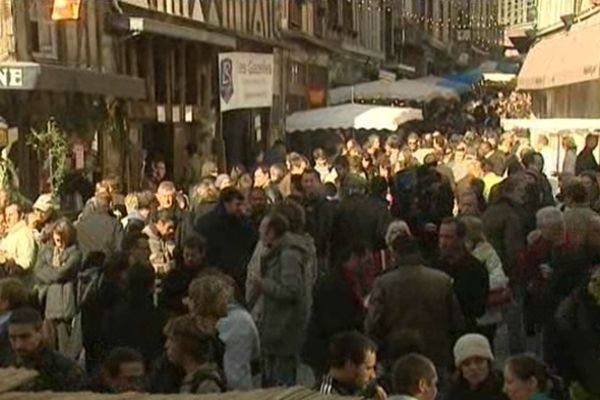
(245, 80)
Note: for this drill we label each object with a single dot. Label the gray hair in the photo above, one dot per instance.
(549, 216)
(395, 229)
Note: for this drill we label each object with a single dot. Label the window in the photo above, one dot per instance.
(334, 15)
(348, 13)
(43, 30)
(295, 17)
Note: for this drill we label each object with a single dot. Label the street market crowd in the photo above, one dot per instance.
(384, 271)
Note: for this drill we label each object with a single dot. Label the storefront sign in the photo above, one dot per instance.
(11, 77)
(245, 80)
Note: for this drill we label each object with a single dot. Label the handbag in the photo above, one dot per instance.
(499, 297)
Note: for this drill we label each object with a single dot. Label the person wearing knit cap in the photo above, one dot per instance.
(475, 378)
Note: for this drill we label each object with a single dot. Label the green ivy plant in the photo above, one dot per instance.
(51, 144)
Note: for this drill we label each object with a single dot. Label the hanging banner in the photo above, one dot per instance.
(245, 80)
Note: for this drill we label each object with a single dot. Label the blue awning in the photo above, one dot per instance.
(455, 86)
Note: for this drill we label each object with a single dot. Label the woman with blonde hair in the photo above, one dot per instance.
(499, 295)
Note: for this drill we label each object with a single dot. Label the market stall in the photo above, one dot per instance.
(401, 90)
(555, 129)
(352, 116)
(330, 127)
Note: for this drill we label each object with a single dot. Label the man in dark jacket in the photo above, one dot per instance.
(320, 216)
(55, 372)
(13, 295)
(169, 200)
(359, 219)
(98, 230)
(230, 236)
(135, 322)
(504, 226)
(586, 161)
(578, 344)
(176, 282)
(353, 359)
(470, 277)
(283, 325)
(338, 307)
(413, 297)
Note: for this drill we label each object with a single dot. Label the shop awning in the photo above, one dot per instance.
(352, 116)
(404, 89)
(565, 58)
(54, 78)
(156, 27)
(456, 86)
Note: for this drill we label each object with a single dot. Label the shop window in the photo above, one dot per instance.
(43, 30)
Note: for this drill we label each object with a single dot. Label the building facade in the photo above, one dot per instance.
(515, 12)
(443, 36)
(70, 72)
(549, 12)
(561, 69)
(137, 80)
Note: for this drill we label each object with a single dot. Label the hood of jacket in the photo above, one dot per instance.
(303, 242)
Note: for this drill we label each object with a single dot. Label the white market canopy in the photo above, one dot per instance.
(552, 125)
(352, 116)
(404, 89)
(499, 77)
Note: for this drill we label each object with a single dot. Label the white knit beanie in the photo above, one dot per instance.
(472, 345)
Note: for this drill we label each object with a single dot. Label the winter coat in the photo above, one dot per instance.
(505, 231)
(285, 315)
(56, 373)
(490, 389)
(336, 308)
(320, 217)
(206, 380)
(417, 298)
(239, 334)
(20, 245)
(137, 324)
(471, 284)
(174, 288)
(360, 220)
(578, 323)
(586, 161)
(162, 252)
(485, 253)
(230, 242)
(57, 286)
(303, 241)
(99, 231)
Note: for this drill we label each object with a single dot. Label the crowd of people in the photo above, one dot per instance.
(385, 269)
